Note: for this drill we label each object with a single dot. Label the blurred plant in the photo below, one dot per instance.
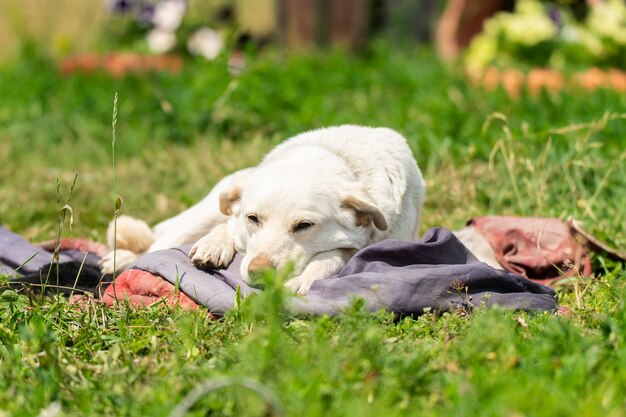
(540, 34)
(166, 25)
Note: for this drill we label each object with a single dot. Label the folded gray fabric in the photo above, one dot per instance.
(437, 273)
(29, 264)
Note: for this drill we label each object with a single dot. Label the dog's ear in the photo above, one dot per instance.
(366, 212)
(229, 197)
(232, 194)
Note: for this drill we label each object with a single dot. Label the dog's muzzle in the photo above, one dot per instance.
(260, 263)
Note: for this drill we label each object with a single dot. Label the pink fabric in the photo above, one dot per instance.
(83, 245)
(541, 249)
(141, 288)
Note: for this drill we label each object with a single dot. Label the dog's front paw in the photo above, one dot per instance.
(117, 261)
(209, 253)
(299, 285)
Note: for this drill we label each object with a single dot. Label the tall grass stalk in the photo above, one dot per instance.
(117, 200)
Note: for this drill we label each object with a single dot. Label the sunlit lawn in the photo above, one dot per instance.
(555, 154)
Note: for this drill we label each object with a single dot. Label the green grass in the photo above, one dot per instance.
(480, 152)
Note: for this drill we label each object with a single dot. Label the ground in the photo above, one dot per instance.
(554, 154)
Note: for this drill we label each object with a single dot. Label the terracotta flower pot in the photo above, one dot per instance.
(513, 81)
(120, 63)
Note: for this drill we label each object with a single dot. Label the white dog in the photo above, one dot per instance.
(313, 201)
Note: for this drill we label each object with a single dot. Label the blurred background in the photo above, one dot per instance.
(64, 27)
(505, 32)
(484, 91)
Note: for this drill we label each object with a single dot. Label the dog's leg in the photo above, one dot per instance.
(190, 225)
(133, 237)
(321, 266)
(195, 222)
(130, 237)
(189, 228)
(215, 250)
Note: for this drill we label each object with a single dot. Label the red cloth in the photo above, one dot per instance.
(541, 249)
(141, 288)
(76, 244)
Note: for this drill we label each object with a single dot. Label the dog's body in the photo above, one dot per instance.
(314, 200)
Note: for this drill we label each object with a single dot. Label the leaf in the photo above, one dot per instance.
(119, 202)
(69, 208)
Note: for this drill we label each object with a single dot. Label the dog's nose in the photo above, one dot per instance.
(260, 263)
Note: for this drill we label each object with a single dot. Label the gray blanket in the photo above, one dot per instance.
(28, 264)
(437, 273)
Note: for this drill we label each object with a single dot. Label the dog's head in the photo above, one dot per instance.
(280, 216)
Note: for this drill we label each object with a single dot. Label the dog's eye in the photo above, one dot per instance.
(252, 218)
(302, 226)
